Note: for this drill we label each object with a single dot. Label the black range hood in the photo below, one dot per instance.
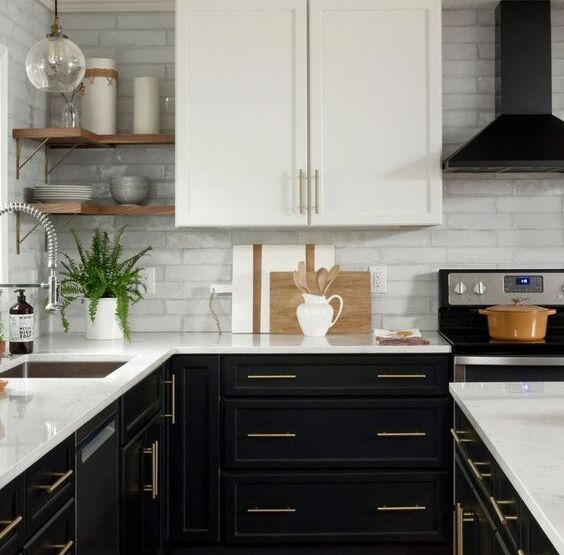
(525, 136)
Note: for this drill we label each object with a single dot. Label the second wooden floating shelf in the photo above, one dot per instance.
(93, 209)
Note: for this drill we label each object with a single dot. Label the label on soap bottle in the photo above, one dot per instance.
(21, 328)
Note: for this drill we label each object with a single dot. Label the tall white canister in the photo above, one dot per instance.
(146, 116)
(99, 101)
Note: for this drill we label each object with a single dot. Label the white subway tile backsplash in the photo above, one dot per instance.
(490, 221)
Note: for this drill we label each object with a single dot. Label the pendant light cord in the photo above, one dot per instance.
(56, 8)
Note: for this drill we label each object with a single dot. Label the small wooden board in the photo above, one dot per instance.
(354, 287)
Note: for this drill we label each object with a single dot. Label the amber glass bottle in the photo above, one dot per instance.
(21, 326)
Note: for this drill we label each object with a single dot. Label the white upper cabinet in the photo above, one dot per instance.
(241, 105)
(359, 147)
(375, 112)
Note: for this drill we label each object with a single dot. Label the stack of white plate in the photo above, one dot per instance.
(63, 193)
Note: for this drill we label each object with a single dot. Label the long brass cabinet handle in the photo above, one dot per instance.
(272, 510)
(63, 548)
(271, 377)
(402, 434)
(402, 376)
(271, 435)
(406, 508)
(459, 530)
(504, 519)
(302, 180)
(58, 483)
(172, 414)
(316, 174)
(10, 526)
(153, 487)
(476, 471)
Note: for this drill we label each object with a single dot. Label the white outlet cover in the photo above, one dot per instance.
(378, 285)
(148, 277)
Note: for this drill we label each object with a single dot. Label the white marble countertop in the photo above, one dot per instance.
(523, 427)
(38, 414)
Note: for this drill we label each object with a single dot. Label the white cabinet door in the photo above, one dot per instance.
(375, 112)
(241, 104)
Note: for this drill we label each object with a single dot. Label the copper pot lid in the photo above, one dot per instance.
(519, 306)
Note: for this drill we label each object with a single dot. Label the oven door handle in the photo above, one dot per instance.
(508, 361)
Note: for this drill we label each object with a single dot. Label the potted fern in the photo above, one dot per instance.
(107, 284)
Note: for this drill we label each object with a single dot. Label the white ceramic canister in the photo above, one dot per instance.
(146, 113)
(99, 100)
(315, 315)
(105, 325)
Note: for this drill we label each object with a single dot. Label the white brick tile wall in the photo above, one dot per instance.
(490, 221)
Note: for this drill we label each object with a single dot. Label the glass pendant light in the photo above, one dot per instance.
(55, 64)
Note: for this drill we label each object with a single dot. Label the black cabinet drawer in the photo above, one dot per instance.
(350, 375)
(140, 404)
(57, 536)
(336, 507)
(49, 484)
(12, 524)
(336, 433)
(474, 453)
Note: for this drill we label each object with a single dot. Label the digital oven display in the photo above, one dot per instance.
(523, 284)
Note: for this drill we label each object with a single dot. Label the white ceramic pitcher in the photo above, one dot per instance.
(315, 315)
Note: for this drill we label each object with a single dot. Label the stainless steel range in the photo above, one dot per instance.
(479, 358)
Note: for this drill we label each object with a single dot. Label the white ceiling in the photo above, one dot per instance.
(168, 5)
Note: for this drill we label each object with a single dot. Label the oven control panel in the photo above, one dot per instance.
(472, 287)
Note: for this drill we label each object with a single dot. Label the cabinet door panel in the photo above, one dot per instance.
(375, 112)
(241, 130)
(194, 448)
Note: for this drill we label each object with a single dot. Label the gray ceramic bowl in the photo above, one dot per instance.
(129, 190)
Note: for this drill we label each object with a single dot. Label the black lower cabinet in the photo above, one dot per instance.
(57, 536)
(193, 405)
(142, 522)
(12, 524)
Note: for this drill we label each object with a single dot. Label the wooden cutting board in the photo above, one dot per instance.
(354, 287)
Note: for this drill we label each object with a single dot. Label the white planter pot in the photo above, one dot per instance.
(315, 315)
(105, 325)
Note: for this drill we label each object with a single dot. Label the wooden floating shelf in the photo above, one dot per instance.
(93, 209)
(56, 137)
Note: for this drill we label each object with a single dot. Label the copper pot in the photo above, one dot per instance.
(517, 322)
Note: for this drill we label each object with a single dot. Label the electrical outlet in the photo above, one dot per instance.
(149, 279)
(378, 279)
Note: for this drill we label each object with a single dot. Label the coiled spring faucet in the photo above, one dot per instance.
(52, 284)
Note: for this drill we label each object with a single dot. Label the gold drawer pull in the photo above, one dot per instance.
(475, 470)
(10, 526)
(56, 485)
(63, 548)
(258, 511)
(402, 376)
(457, 439)
(172, 383)
(393, 508)
(504, 519)
(402, 434)
(271, 435)
(271, 377)
(153, 487)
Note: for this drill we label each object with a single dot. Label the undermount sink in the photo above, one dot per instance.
(59, 369)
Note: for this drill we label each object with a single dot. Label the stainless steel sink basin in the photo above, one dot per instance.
(58, 369)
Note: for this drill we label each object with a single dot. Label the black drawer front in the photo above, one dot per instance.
(140, 404)
(336, 507)
(474, 453)
(350, 375)
(57, 536)
(327, 433)
(49, 484)
(12, 523)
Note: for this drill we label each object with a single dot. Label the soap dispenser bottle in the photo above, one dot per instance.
(21, 326)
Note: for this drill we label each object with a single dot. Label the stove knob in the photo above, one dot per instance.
(460, 288)
(480, 288)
